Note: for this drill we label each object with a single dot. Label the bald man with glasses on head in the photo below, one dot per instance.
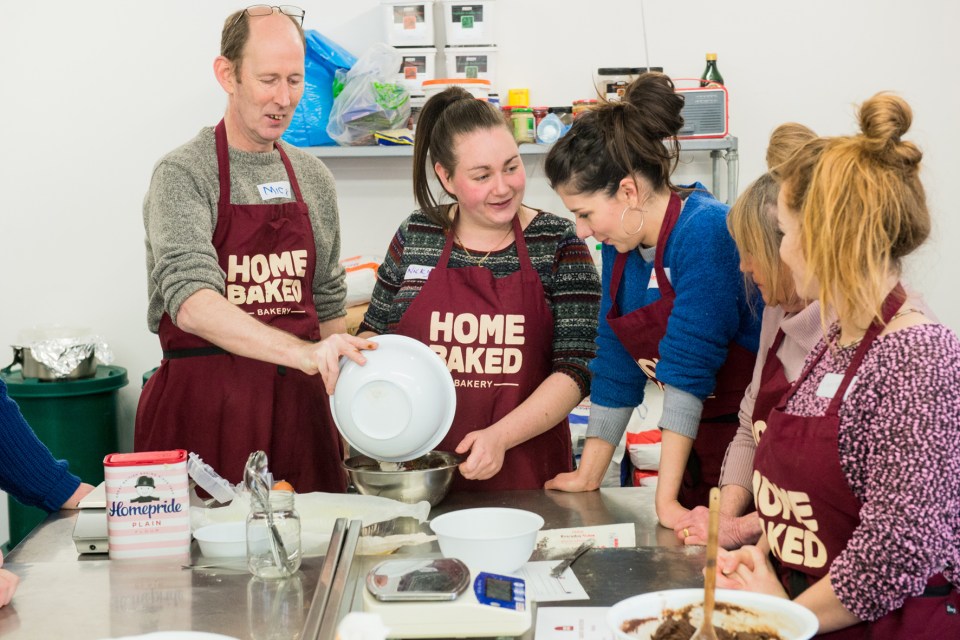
(245, 287)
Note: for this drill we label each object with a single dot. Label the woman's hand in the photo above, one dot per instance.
(669, 512)
(486, 454)
(572, 482)
(748, 569)
(324, 357)
(8, 585)
(734, 532)
(73, 502)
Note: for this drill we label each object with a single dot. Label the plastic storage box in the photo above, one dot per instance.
(472, 62)
(408, 24)
(417, 64)
(469, 23)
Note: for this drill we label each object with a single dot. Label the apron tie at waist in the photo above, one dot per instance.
(174, 354)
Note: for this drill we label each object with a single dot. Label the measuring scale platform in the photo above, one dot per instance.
(430, 598)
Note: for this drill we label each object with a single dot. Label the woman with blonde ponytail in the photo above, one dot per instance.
(855, 477)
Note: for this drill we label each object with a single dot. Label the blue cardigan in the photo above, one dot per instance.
(710, 310)
(28, 470)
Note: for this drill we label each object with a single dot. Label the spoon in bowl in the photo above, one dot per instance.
(706, 630)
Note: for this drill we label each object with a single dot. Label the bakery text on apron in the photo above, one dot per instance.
(222, 406)
(496, 336)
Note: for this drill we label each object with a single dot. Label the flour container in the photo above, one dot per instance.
(468, 23)
(416, 65)
(148, 513)
(472, 62)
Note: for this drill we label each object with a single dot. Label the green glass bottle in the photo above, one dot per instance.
(711, 75)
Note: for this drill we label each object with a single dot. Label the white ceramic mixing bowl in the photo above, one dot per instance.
(490, 539)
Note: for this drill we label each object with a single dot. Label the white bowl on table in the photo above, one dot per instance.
(788, 619)
(222, 540)
(492, 539)
(399, 405)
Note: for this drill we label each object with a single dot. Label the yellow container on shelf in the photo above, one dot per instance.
(518, 97)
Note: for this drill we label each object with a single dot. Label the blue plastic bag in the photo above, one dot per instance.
(308, 127)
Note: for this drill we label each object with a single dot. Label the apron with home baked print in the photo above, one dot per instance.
(496, 336)
(805, 537)
(640, 332)
(222, 406)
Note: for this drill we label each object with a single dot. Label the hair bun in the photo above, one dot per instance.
(884, 119)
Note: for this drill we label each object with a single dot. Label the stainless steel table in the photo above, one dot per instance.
(63, 595)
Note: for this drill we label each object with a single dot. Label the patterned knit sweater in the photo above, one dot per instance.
(899, 444)
(562, 260)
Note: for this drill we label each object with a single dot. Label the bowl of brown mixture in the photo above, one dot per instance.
(739, 615)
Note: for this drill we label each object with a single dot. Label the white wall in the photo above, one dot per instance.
(94, 93)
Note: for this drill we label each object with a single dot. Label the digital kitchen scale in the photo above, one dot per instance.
(433, 598)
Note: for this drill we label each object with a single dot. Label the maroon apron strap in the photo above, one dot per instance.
(223, 162)
(290, 173)
(669, 222)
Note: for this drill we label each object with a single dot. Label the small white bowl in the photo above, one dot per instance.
(790, 620)
(399, 405)
(490, 539)
(223, 540)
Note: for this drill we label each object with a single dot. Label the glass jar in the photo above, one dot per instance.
(579, 106)
(268, 558)
(523, 125)
(275, 608)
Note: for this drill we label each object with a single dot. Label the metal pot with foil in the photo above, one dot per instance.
(60, 358)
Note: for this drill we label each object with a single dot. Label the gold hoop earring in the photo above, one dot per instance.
(642, 220)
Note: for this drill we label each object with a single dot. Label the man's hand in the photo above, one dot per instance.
(324, 357)
(486, 454)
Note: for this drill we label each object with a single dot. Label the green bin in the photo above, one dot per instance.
(76, 419)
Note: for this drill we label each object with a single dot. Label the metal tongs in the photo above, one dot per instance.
(558, 570)
(255, 479)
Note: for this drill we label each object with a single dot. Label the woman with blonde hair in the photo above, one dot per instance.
(855, 477)
(791, 327)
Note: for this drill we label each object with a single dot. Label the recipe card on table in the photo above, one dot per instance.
(603, 536)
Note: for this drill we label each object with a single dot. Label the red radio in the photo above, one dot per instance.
(704, 111)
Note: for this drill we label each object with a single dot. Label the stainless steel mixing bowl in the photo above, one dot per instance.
(426, 478)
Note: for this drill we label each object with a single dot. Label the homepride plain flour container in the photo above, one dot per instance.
(148, 512)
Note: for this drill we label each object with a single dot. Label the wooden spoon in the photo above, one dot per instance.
(706, 630)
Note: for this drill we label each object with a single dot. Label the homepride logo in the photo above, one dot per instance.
(121, 510)
(480, 343)
(265, 279)
(649, 368)
(787, 519)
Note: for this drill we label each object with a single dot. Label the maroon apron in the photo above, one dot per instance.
(496, 336)
(805, 538)
(640, 332)
(773, 386)
(222, 406)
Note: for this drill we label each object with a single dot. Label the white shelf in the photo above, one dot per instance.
(728, 143)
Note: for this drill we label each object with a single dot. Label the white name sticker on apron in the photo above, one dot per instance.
(831, 382)
(273, 190)
(417, 272)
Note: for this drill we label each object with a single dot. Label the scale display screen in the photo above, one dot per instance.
(500, 591)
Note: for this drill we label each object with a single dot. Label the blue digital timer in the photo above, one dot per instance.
(500, 591)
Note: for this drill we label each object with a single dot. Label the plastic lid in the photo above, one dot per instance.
(563, 109)
(172, 456)
(522, 110)
(635, 71)
(208, 479)
(711, 56)
(107, 378)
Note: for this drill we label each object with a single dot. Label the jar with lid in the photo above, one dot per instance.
(524, 129)
(539, 113)
(273, 537)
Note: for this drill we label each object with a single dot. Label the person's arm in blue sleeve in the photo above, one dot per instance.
(706, 317)
(28, 471)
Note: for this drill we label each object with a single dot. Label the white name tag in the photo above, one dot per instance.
(273, 190)
(831, 382)
(417, 272)
(653, 284)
